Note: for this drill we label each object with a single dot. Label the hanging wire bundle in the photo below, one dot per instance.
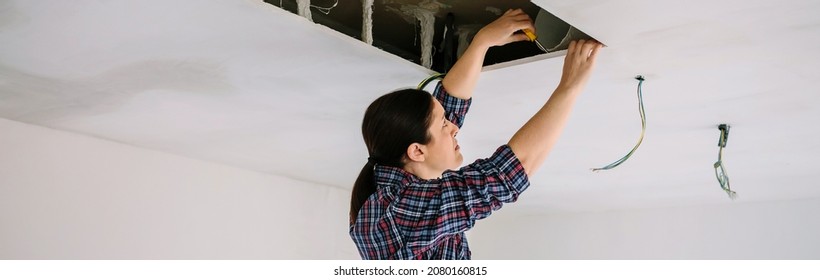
(643, 130)
(720, 170)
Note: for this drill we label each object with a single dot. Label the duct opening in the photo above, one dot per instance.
(432, 33)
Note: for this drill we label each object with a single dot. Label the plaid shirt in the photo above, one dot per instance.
(413, 218)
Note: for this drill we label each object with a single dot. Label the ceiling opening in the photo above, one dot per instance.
(404, 27)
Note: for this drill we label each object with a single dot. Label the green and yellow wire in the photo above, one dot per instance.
(643, 130)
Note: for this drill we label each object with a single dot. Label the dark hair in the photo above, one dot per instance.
(391, 123)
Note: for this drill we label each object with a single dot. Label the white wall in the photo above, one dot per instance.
(69, 196)
(734, 230)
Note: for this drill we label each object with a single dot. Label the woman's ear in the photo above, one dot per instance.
(416, 152)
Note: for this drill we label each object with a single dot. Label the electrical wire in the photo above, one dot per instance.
(643, 130)
(326, 10)
(430, 79)
(720, 170)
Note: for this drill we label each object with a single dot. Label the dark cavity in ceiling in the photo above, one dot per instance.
(397, 32)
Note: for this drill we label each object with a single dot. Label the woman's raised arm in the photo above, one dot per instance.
(533, 142)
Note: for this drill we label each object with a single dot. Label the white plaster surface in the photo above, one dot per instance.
(70, 196)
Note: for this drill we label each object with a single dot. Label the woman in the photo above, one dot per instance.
(411, 200)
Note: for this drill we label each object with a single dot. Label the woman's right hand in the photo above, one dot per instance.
(504, 29)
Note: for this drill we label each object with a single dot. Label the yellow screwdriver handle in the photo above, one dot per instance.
(529, 34)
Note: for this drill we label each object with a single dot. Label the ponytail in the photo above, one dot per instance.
(362, 189)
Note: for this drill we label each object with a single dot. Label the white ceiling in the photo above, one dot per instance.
(247, 84)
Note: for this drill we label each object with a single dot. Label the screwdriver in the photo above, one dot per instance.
(532, 37)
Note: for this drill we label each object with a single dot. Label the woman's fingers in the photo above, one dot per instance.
(595, 51)
(586, 50)
(519, 37)
(521, 17)
(579, 47)
(521, 25)
(513, 12)
(571, 48)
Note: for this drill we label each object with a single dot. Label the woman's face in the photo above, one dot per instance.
(443, 150)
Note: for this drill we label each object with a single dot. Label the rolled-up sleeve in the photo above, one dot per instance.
(476, 190)
(455, 108)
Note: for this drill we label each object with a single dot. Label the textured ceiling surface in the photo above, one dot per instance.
(250, 85)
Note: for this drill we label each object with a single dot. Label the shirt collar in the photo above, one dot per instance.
(389, 175)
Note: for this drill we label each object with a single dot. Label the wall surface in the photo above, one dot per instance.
(69, 196)
(759, 230)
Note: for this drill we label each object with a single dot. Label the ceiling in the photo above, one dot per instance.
(248, 84)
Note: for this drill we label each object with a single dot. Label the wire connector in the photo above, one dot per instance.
(724, 135)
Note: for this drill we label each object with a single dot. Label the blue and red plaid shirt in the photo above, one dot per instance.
(413, 218)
